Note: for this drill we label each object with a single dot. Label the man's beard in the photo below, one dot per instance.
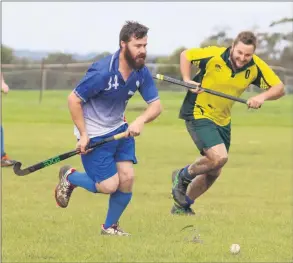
(132, 61)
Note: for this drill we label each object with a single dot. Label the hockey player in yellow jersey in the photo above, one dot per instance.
(208, 117)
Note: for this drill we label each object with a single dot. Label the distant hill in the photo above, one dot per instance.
(82, 57)
(34, 55)
(39, 55)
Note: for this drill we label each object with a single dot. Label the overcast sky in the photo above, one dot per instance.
(94, 27)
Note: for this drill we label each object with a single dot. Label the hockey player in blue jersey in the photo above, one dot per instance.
(97, 107)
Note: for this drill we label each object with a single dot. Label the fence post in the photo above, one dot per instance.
(43, 80)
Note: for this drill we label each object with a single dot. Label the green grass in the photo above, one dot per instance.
(250, 204)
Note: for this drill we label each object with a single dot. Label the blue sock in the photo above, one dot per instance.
(186, 174)
(117, 203)
(189, 201)
(82, 180)
(2, 142)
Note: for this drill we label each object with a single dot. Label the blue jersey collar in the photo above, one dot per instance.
(114, 63)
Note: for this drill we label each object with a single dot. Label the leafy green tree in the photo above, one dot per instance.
(286, 55)
(171, 62)
(218, 39)
(101, 55)
(6, 54)
(59, 58)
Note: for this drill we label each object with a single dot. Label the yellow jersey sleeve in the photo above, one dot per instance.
(266, 77)
(196, 54)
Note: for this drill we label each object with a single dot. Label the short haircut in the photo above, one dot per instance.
(247, 38)
(132, 29)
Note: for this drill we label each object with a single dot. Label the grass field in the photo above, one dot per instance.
(250, 204)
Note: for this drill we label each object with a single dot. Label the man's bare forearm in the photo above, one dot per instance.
(274, 92)
(76, 111)
(153, 110)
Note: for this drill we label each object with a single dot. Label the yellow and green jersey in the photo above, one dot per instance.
(216, 73)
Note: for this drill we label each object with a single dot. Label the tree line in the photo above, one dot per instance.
(275, 48)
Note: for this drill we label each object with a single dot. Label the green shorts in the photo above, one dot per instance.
(206, 134)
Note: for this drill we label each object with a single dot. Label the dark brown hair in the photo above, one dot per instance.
(131, 29)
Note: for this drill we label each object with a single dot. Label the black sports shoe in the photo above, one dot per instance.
(179, 188)
(178, 210)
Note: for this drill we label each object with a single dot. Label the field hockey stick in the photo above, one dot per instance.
(17, 166)
(191, 86)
